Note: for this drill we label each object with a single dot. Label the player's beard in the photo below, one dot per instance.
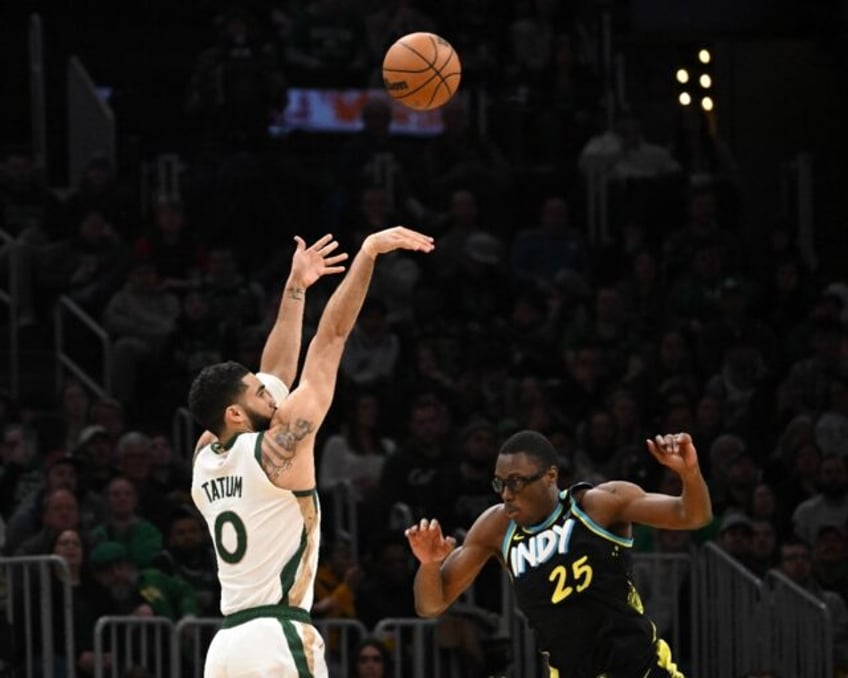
(258, 422)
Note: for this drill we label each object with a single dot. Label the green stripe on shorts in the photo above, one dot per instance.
(296, 648)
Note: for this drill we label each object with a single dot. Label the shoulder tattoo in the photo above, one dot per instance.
(279, 446)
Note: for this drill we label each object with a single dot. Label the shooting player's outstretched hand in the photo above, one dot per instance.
(396, 238)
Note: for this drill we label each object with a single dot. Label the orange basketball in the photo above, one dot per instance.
(421, 71)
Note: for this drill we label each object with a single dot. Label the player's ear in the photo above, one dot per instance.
(233, 414)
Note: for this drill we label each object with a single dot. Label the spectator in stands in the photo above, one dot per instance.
(135, 461)
(111, 415)
(357, 454)
(386, 587)
(20, 472)
(95, 452)
(830, 559)
(371, 355)
(829, 505)
(86, 607)
(61, 512)
(371, 659)
(409, 474)
(88, 267)
(140, 319)
(98, 190)
(831, 427)
(189, 555)
(235, 302)
(170, 473)
(540, 254)
(702, 223)
(623, 153)
(140, 538)
(642, 294)
(764, 552)
(172, 247)
(735, 537)
(144, 592)
(74, 405)
(796, 564)
(234, 86)
(61, 471)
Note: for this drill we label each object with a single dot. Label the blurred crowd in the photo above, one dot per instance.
(672, 320)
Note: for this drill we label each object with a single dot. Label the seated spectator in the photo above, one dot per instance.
(135, 461)
(735, 537)
(540, 254)
(90, 266)
(172, 248)
(189, 555)
(335, 583)
(408, 475)
(60, 512)
(386, 586)
(371, 659)
(86, 606)
(829, 505)
(61, 471)
(140, 319)
(142, 592)
(20, 471)
(96, 453)
(830, 559)
(358, 452)
(796, 564)
(623, 153)
(140, 539)
(372, 350)
(764, 552)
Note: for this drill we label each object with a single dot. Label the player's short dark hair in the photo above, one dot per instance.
(532, 444)
(213, 390)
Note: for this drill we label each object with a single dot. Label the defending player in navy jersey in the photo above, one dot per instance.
(568, 556)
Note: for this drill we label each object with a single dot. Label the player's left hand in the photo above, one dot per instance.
(675, 450)
(310, 263)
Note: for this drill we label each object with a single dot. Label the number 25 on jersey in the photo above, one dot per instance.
(581, 577)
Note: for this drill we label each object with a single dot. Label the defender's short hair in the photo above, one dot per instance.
(213, 390)
(533, 444)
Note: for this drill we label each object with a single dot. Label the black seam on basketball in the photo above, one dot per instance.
(430, 64)
(443, 80)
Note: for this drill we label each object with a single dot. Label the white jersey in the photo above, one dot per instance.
(266, 539)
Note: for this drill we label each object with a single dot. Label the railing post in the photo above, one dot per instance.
(36, 93)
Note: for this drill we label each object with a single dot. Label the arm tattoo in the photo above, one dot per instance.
(280, 445)
(296, 293)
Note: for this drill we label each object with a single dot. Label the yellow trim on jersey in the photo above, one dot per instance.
(664, 660)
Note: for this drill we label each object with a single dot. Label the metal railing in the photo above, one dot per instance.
(30, 622)
(733, 615)
(801, 629)
(65, 306)
(133, 642)
(414, 644)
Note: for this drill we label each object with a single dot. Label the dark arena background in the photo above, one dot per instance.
(640, 212)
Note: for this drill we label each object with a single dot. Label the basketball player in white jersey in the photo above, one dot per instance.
(256, 488)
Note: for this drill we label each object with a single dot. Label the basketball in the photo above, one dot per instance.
(421, 71)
